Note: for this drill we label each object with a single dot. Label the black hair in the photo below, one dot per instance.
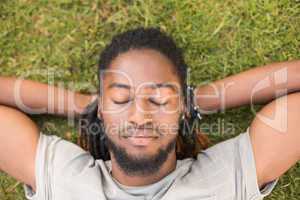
(189, 142)
(145, 38)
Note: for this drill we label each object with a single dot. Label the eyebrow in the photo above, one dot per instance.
(153, 86)
(166, 85)
(119, 85)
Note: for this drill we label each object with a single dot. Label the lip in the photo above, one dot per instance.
(145, 133)
(140, 140)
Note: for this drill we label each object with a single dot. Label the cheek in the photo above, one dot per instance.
(168, 123)
(113, 114)
(167, 117)
(112, 125)
(173, 109)
(109, 107)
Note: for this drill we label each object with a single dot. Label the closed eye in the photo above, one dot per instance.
(121, 102)
(157, 103)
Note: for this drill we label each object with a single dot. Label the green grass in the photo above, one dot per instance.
(219, 37)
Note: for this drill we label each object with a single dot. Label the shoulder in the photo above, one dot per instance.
(228, 168)
(226, 155)
(61, 164)
(63, 156)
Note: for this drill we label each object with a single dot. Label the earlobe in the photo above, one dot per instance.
(99, 115)
(99, 111)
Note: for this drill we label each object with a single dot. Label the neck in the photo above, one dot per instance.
(128, 180)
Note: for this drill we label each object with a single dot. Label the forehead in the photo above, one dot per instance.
(141, 67)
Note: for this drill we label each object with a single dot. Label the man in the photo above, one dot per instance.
(141, 104)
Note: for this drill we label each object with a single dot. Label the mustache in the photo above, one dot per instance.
(131, 130)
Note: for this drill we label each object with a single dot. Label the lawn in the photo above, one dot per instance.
(220, 38)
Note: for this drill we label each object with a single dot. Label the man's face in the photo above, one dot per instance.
(140, 104)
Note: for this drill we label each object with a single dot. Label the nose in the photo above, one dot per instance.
(140, 113)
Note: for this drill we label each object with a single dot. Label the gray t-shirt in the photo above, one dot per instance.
(225, 171)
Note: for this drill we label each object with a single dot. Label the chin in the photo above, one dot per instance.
(141, 151)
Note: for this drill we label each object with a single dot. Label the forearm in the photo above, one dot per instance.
(257, 86)
(37, 98)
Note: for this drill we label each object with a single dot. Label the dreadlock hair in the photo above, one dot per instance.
(91, 130)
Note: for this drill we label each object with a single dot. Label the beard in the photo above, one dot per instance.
(140, 166)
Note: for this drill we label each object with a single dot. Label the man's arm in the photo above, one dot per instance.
(18, 144)
(274, 132)
(275, 137)
(37, 98)
(257, 86)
